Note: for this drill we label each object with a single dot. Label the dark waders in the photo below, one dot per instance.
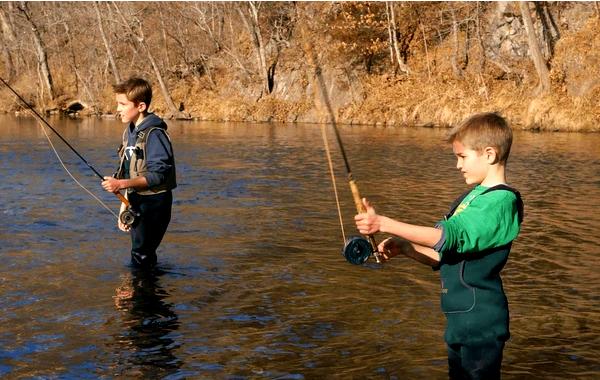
(475, 361)
(146, 235)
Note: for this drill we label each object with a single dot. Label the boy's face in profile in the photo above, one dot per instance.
(473, 164)
(128, 111)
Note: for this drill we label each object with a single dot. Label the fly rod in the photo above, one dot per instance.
(357, 249)
(128, 216)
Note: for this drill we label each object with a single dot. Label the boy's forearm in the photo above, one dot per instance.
(426, 237)
(416, 252)
(138, 183)
(423, 255)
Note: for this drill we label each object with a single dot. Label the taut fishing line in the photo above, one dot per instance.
(357, 249)
(71, 175)
(331, 172)
(126, 217)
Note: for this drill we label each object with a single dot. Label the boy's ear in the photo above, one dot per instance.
(142, 107)
(492, 155)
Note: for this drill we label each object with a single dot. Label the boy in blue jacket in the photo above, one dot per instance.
(146, 170)
(470, 246)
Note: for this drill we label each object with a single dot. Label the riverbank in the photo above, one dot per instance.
(444, 73)
(383, 101)
(407, 102)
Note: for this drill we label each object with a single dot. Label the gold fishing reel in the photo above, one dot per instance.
(128, 217)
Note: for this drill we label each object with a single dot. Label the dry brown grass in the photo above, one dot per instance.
(388, 99)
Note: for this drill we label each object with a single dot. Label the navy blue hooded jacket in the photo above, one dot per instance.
(159, 152)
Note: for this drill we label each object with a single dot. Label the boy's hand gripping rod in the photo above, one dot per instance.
(360, 208)
(128, 216)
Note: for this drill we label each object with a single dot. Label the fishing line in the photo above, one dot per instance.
(41, 119)
(128, 216)
(71, 175)
(331, 172)
(357, 249)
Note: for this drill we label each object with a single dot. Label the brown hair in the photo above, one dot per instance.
(137, 90)
(482, 130)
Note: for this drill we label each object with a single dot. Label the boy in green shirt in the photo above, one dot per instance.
(469, 247)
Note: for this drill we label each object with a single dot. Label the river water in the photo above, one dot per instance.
(251, 282)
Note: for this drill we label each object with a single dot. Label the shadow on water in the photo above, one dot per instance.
(147, 341)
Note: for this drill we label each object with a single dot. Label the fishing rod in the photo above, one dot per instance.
(128, 216)
(357, 249)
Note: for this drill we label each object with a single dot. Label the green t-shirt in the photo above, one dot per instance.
(480, 222)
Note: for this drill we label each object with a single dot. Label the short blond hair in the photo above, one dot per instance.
(482, 130)
(137, 90)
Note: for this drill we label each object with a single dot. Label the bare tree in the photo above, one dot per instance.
(393, 36)
(39, 48)
(70, 44)
(482, 57)
(278, 26)
(535, 51)
(107, 45)
(426, 50)
(140, 39)
(163, 34)
(252, 25)
(210, 22)
(550, 31)
(457, 68)
(8, 39)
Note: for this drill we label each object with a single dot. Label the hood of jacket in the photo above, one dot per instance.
(150, 121)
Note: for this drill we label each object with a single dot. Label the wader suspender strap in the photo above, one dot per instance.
(456, 203)
(520, 207)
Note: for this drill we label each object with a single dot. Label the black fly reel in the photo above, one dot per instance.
(128, 217)
(357, 250)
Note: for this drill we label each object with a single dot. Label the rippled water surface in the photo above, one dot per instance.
(251, 283)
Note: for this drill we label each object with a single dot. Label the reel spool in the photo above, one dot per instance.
(128, 217)
(357, 250)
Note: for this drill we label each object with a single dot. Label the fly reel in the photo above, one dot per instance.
(357, 250)
(128, 217)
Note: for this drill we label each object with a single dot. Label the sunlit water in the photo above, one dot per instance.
(251, 282)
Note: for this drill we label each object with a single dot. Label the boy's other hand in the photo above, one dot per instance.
(389, 248)
(111, 185)
(367, 222)
(123, 227)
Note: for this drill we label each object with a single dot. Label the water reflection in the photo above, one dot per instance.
(264, 291)
(147, 343)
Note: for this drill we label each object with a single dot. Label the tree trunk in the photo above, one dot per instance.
(480, 44)
(253, 28)
(73, 58)
(549, 30)
(465, 56)
(163, 87)
(203, 24)
(40, 50)
(107, 46)
(8, 39)
(140, 39)
(426, 51)
(392, 19)
(535, 51)
(390, 39)
(163, 29)
(458, 73)
(482, 57)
